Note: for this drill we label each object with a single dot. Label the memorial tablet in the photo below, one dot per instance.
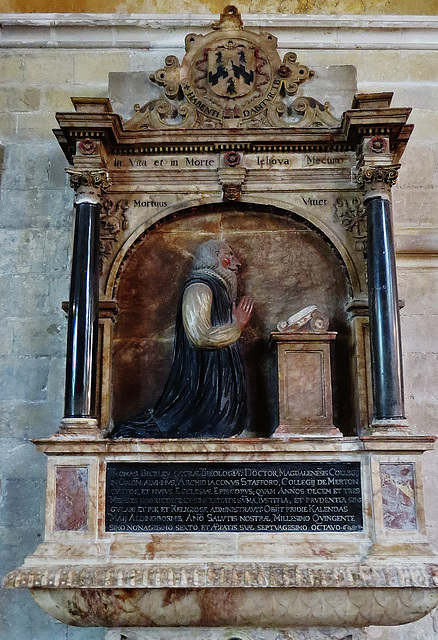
(238, 497)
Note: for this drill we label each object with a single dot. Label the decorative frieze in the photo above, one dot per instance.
(350, 575)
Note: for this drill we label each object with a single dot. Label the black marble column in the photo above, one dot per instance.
(80, 382)
(386, 355)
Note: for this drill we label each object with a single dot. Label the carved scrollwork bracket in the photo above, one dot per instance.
(88, 185)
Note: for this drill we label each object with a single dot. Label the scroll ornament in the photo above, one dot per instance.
(88, 185)
(308, 319)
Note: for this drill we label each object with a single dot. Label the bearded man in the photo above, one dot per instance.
(205, 394)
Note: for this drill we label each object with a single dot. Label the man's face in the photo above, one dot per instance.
(228, 260)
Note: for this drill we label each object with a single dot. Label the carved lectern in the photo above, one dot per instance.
(304, 384)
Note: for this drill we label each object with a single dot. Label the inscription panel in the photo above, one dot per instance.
(255, 497)
(162, 162)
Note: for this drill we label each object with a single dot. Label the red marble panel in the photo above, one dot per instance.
(285, 267)
(398, 496)
(71, 503)
(304, 385)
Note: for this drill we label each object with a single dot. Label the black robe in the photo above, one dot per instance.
(205, 393)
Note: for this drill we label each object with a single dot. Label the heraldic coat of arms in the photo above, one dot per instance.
(229, 78)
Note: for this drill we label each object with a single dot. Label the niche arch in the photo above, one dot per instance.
(337, 239)
(287, 264)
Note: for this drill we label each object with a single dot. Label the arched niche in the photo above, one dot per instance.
(287, 264)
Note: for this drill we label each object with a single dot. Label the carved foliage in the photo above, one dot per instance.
(351, 214)
(370, 175)
(86, 178)
(113, 220)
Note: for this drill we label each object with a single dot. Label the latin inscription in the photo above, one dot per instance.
(314, 202)
(149, 203)
(296, 160)
(324, 160)
(142, 497)
(250, 161)
(263, 103)
(156, 163)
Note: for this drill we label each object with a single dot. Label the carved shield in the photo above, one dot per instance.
(231, 70)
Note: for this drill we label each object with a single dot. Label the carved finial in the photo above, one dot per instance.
(230, 19)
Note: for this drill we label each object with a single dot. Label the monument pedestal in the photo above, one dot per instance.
(304, 385)
(301, 530)
(265, 533)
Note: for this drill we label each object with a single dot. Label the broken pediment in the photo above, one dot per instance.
(231, 78)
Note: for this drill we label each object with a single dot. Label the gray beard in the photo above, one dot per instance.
(230, 278)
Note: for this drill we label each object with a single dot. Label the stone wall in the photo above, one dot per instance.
(43, 62)
(400, 7)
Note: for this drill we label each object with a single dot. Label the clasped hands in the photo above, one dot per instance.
(242, 312)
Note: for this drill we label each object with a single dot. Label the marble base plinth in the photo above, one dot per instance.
(383, 572)
(270, 607)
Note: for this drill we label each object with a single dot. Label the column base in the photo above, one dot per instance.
(83, 428)
(389, 427)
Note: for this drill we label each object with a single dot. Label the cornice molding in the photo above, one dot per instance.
(145, 31)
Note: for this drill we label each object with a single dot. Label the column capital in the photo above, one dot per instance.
(377, 180)
(88, 185)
